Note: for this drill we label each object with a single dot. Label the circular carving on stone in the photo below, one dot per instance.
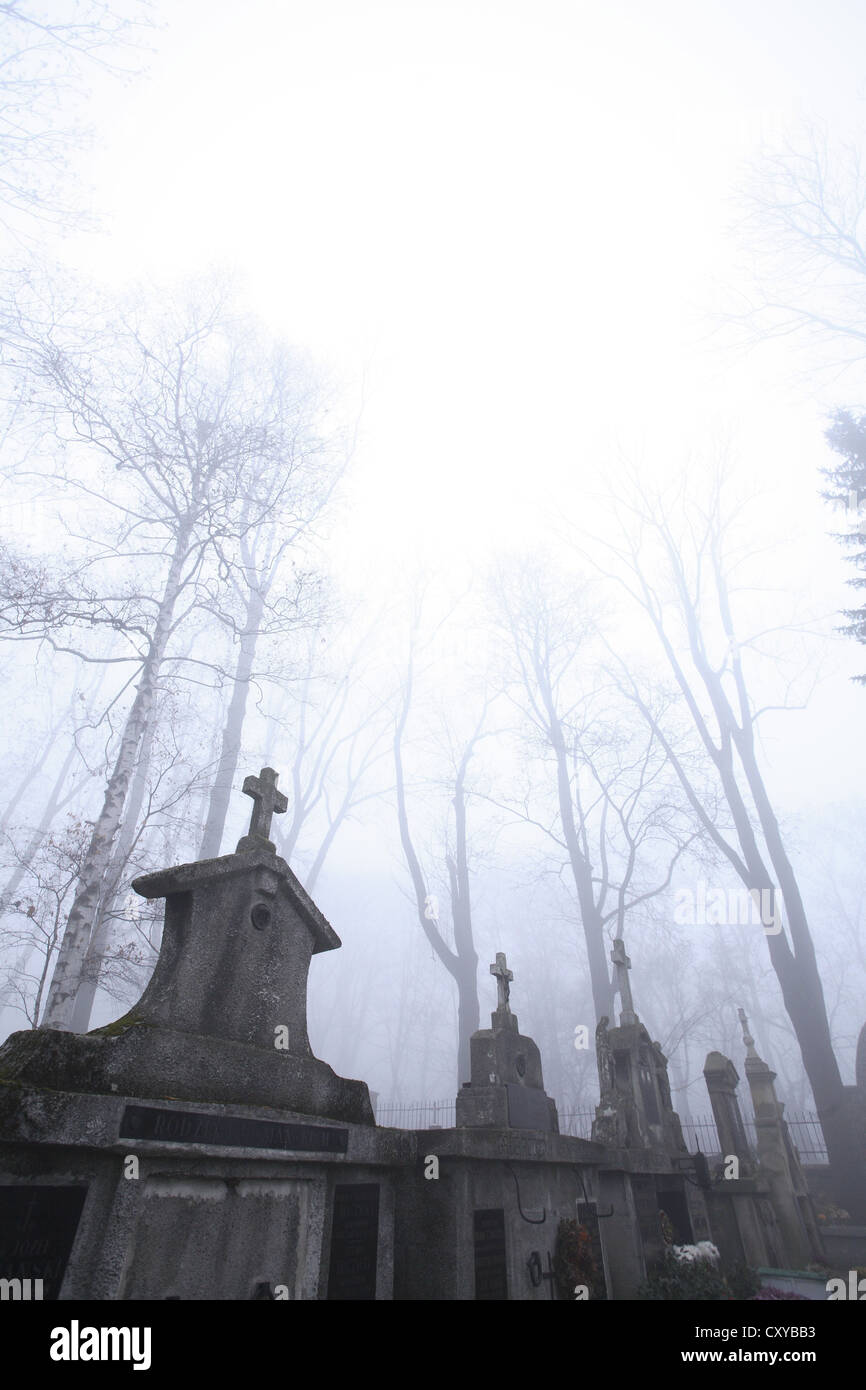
(260, 916)
(520, 1064)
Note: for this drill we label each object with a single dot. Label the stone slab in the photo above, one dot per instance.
(528, 1108)
(354, 1242)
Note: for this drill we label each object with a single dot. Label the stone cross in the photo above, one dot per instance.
(503, 975)
(622, 965)
(267, 802)
(747, 1037)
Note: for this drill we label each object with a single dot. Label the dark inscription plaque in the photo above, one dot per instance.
(233, 1131)
(528, 1108)
(37, 1232)
(354, 1242)
(491, 1270)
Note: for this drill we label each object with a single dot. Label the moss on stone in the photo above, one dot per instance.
(119, 1026)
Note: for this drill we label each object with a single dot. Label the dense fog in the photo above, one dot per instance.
(459, 409)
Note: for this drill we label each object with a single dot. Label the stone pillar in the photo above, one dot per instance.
(722, 1078)
(779, 1163)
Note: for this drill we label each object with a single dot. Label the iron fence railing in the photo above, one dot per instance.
(699, 1131)
(416, 1114)
(804, 1128)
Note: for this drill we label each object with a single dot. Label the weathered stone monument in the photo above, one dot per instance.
(224, 1017)
(506, 1088)
(506, 1179)
(779, 1162)
(196, 1148)
(722, 1079)
(635, 1108)
(758, 1202)
(741, 1211)
(635, 1118)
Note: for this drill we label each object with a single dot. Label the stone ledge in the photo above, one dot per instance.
(486, 1143)
(153, 1063)
(36, 1122)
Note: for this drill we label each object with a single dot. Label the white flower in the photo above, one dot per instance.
(704, 1250)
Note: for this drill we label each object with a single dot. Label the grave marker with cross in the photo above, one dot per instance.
(267, 802)
(622, 965)
(503, 976)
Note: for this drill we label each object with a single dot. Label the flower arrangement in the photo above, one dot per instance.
(690, 1272)
(574, 1261)
(704, 1250)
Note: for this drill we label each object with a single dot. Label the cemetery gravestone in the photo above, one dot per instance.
(506, 1090)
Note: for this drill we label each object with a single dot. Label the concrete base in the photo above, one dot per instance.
(131, 1058)
(100, 1216)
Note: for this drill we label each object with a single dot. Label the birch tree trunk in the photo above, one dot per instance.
(76, 938)
(101, 933)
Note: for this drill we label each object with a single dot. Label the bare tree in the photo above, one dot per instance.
(460, 958)
(616, 813)
(334, 726)
(264, 613)
(189, 423)
(69, 783)
(77, 715)
(805, 228)
(48, 56)
(691, 608)
(34, 922)
(805, 223)
(274, 591)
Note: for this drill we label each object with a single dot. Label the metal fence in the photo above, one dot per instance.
(808, 1137)
(577, 1123)
(416, 1114)
(804, 1128)
(699, 1131)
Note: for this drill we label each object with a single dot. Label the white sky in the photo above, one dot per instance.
(509, 217)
